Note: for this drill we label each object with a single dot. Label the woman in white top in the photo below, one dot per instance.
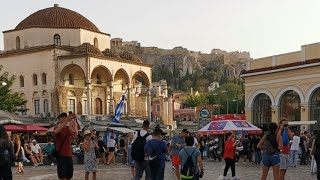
(111, 144)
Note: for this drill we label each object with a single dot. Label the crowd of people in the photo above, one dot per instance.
(280, 149)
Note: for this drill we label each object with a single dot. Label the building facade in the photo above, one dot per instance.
(286, 85)
(63, 62)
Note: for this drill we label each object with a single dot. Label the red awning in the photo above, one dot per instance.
(34, 127)
(13, 128)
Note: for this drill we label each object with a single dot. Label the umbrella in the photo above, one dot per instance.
(13, 128)
(33, 127)
(235, 124)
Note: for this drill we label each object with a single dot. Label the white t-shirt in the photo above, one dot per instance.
(142, 133)
(111, 143)
(35, 148)
(295, 143)
(195, 143)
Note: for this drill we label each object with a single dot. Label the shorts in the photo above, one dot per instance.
(271, 160)
(112, 149)
(65, 167)
(175, 160)
(284, 161)
(101, 151)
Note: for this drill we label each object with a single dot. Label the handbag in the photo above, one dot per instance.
(55, 152)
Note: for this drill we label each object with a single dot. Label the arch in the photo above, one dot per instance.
(98, 106)
(35, 79)
(141, 77)
(261, 110)
(77, 75)
(95, 43)
(103, 72)
(57, 40)
(121, 79)
(256, 93)
(21, 80)
(35, 94)
(293, 88)
(315, 105)
(45, 93)
(17, 42)
(44, 78)
(71, 93)
(290, 105)
(310, 93)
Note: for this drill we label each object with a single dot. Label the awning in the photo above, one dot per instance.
(296, 123)
(34, 127)
(121, 130)
(13, 128)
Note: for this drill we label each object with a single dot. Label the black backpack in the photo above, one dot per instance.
(138, 147)
(153, 158)
(188, 169)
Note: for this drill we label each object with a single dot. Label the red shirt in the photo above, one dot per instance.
(65, 149)
(229, 149)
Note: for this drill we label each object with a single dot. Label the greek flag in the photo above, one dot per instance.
(119, 110)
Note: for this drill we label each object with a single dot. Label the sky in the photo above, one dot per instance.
(262, 27)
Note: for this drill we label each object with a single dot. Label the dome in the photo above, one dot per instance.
(87, 48)
(56, 17)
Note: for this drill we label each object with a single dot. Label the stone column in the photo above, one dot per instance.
(88, 82)
(275, 111)
(305, 116)
(248, 112)
(128, 89)
(111, 105)
(149, 104)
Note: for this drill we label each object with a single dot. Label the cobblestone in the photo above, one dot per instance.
(213, 171)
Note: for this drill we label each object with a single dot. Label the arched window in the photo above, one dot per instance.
(290, 106)
(45, 105)
(17, 42)
(261, 111)
(315, 106)
(57, 39)
(98, 79)
(44, 78)
(71, 79)
(21, 78)
(95, 42)
(35, 79)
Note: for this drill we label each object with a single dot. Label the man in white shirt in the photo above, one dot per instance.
(195, 143)
(294, 150)
(36, 149)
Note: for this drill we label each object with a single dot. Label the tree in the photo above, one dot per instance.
(202, 85)
(195, 100)
(9, 101)
(187, 85)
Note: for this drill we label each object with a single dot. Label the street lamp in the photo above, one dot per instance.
(236, 100)
(215, 94)
(225, 91)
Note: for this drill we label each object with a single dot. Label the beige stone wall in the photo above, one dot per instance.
(287, 58)
(312, 51)
(262, 62)
(88, 37)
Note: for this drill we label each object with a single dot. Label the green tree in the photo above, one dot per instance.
(195, 100)
(202, 85)
(187, 85)
(9, 101)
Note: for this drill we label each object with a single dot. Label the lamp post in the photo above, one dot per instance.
(236, 100)
(218, 102)
(225, 91)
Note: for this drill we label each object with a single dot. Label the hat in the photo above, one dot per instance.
(34, 140)
(94, 129)
(185, 131)
(86, 132)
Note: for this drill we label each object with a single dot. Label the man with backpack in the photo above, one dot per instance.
(156, 150)
(177, 143)
(191, 161)
(286, 135)
(139, 141)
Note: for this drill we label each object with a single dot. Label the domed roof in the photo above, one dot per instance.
(56, 17)
(87, 48)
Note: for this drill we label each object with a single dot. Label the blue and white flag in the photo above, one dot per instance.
(119, 109)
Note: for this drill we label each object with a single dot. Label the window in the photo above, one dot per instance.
(23, 109)
(98, 79)
(57, 39)
(44, 78)
(71, 105)
(21, 78)
(17, 42)
(35, 79)
(158, 108)
(45, 105)
(95, 42)
(315, 105)
(71, 79)
(37, 106)
(290, 106)
(261, 114)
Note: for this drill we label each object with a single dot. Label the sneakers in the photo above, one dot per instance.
(52, 164)
(225, 178)
(236, 178)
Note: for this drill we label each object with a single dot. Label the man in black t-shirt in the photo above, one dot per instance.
(102, 150)
(246, 148)
(122, 145)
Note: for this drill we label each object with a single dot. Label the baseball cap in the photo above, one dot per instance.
(86, 132)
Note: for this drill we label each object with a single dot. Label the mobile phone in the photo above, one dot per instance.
(70, 112)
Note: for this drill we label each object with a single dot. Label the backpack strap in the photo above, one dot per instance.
(138, 133)
(187, 152)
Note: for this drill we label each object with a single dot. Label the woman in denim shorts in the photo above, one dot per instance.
(271, 144)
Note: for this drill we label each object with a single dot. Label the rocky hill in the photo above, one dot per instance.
(179, 64)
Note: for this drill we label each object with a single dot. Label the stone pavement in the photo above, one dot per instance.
(213, 171)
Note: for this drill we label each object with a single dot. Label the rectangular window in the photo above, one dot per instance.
(23, 110)
(158, 108)
(85, 106)
(45, 106)
(37, 106)
(72, 105)
(71, 79)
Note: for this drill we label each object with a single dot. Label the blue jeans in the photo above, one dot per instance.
(271, 160)
(294, 155)
(257, 157)
(157, 173)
